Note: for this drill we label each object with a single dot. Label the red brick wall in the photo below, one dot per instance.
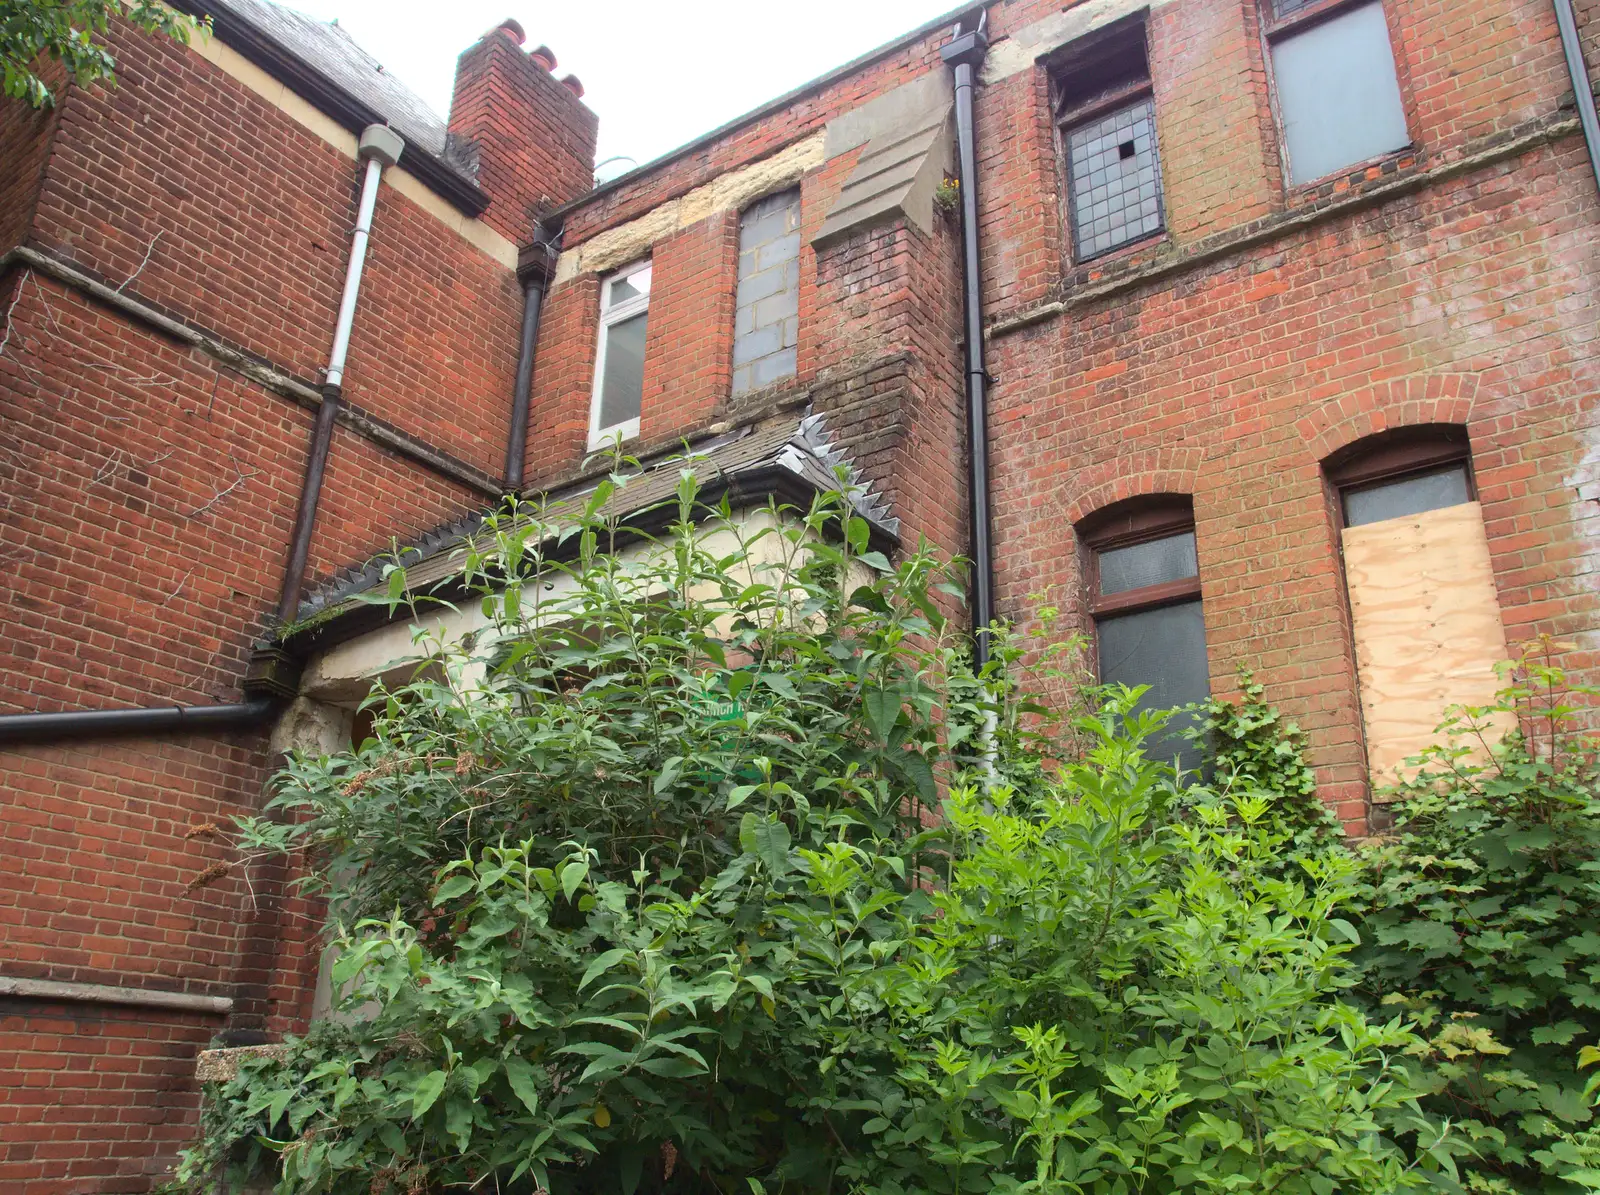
(1233, 382)
(254, 213)
(146, 501)
(25, 138)
(563, 378)
(689, 348)
(1212, 378)
(755, 140)
(97, 1100)
(534, 138)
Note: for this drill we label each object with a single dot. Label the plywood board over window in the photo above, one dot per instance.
(1427, 628)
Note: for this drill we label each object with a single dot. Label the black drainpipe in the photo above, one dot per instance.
(271, 677)
(535, 264)
(1582, 90)
(964, 54)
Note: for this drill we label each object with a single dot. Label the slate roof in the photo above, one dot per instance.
(797, 445)
(327, 49)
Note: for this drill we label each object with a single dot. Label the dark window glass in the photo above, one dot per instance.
(1409, 496)
(1164, 648)
(1114, 179)
(1338, 93)
(1152, 563)
(622, 390)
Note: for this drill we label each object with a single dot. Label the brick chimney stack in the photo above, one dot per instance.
(532, 136)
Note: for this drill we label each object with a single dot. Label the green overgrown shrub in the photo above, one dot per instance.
(726, 873)
(1481, 921)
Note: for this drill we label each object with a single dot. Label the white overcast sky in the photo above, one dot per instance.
(657, 73)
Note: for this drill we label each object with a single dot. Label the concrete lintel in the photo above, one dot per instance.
(94, 993)
(1032, 42)
(903, 108)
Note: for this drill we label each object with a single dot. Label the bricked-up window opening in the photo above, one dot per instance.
(767, 306)
(1424, 612)
(1336, 87)
(1107, 118)
(619, 362)
(1144, 594)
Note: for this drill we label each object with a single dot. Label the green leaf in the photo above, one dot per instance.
(768, 840)
(455, 886)
(572, 874)
(1558, 1034)
(883, 710)
(1345, 930)
(520, 1074)
(426, 1092)
(458, 1121)
(667, 776)
(920, 772)
(601, 964)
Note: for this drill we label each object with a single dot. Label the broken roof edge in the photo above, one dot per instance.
(777, 104)
(322, 92)
(787, 471)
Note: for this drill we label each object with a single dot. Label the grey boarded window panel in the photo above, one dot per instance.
(767, 302)
(1164, 648)
(1338, 94)
(1114, 179)
(1406, 497)
(1154, 562)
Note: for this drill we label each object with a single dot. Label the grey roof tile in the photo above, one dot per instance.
(798, 444)
(332, 52)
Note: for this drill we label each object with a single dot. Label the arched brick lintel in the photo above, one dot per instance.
(1405, 402)
(1161, 471)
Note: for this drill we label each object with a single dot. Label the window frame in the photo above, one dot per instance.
(1397, 455)
(628, 429)
(1125, 530)
(1275, 29)
(1066, 120)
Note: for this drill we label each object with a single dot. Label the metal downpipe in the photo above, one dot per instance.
(535, 264)
(380, 147)
(1582, 89)
(964, 54)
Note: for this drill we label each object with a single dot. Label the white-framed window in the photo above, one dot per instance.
(619, 361)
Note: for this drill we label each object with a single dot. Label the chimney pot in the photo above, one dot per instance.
(571, 83)
(544, 56)
(512, 28)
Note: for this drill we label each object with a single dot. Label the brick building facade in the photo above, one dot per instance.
(1254, 344)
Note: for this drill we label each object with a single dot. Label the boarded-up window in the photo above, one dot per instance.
(767, 307)
(1424, 611)
(1338, 92)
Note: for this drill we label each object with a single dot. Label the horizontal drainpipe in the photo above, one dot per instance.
(965, 54)
(174, 719)
(535, 264)
(380, 147)
(1582, 90)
